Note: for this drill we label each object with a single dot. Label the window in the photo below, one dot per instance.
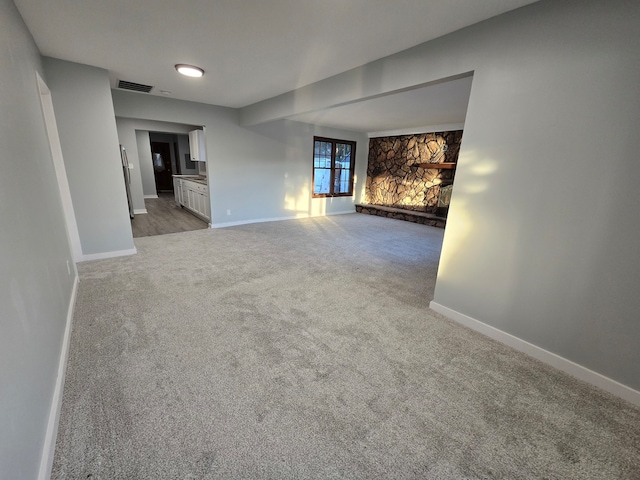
(333, 165)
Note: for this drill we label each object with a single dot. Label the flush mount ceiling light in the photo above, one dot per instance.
(189, 70)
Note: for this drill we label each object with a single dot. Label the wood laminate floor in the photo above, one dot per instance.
(164, 216)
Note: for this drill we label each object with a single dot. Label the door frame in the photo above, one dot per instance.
(73, 236)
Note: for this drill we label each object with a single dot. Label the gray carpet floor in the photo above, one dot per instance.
(306, 349)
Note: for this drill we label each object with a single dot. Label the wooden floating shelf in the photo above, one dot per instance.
(444, 165)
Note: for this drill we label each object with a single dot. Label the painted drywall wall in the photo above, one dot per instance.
(35, 286)
(202, 168)
(86, 123)
(543, 243)
(289, 149)
(143, 146)
(127, 137)
(257, 173)
(183, 148)
(542, 237)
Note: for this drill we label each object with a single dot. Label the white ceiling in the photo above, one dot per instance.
(251, 50)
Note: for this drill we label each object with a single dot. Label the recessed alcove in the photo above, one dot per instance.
(409, 177)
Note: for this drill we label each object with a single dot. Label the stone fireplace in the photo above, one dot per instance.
(410, 176)
(413, 172)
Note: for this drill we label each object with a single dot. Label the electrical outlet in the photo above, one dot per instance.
(68, 267)
(131, 166)
(228, 212)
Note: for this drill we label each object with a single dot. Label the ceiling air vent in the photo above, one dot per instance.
(136, 87)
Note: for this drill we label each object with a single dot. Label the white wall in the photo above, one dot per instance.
(183, 148)
(255, 173)
(86, 122)
(35, 286)
(127, 138)
(286, 150)
(542, 236)
(542, 242)
(143, 145)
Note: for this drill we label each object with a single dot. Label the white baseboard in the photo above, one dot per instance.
(277, 219)
(150, 196)
(139, 211)
(556, 361)
(48, 451)
(100, 256)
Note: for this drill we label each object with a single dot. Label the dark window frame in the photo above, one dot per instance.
(352, 167)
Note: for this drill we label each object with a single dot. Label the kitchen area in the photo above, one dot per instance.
(166, 176)
(191, 192)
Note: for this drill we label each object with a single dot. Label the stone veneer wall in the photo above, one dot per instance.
(394, 178)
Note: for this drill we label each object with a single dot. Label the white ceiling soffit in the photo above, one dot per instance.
(443, 103)
(251, 50)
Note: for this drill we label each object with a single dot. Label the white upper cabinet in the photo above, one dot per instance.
(197, 146)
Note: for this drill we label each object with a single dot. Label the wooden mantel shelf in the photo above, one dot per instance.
(443, 165)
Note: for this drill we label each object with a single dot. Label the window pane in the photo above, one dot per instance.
(327, 154)
(345, 180)
(343, 155)
(322, 154)
(342, 174)
(341, 180)
(321, 180)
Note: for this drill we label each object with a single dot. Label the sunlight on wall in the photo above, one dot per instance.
(302, 205)
(297, 202)
(300, 202)
(318, 206)
(362, 187)
(455, 233)
(473, 188)
(469, 182)
(485, 167)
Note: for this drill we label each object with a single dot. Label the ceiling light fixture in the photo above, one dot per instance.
(189, 70)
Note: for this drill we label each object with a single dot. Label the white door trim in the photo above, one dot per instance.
(61, 173)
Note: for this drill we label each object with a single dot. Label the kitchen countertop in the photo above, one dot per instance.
(193, 178)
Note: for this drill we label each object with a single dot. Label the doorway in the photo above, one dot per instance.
(167, 155)
(162, 170)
